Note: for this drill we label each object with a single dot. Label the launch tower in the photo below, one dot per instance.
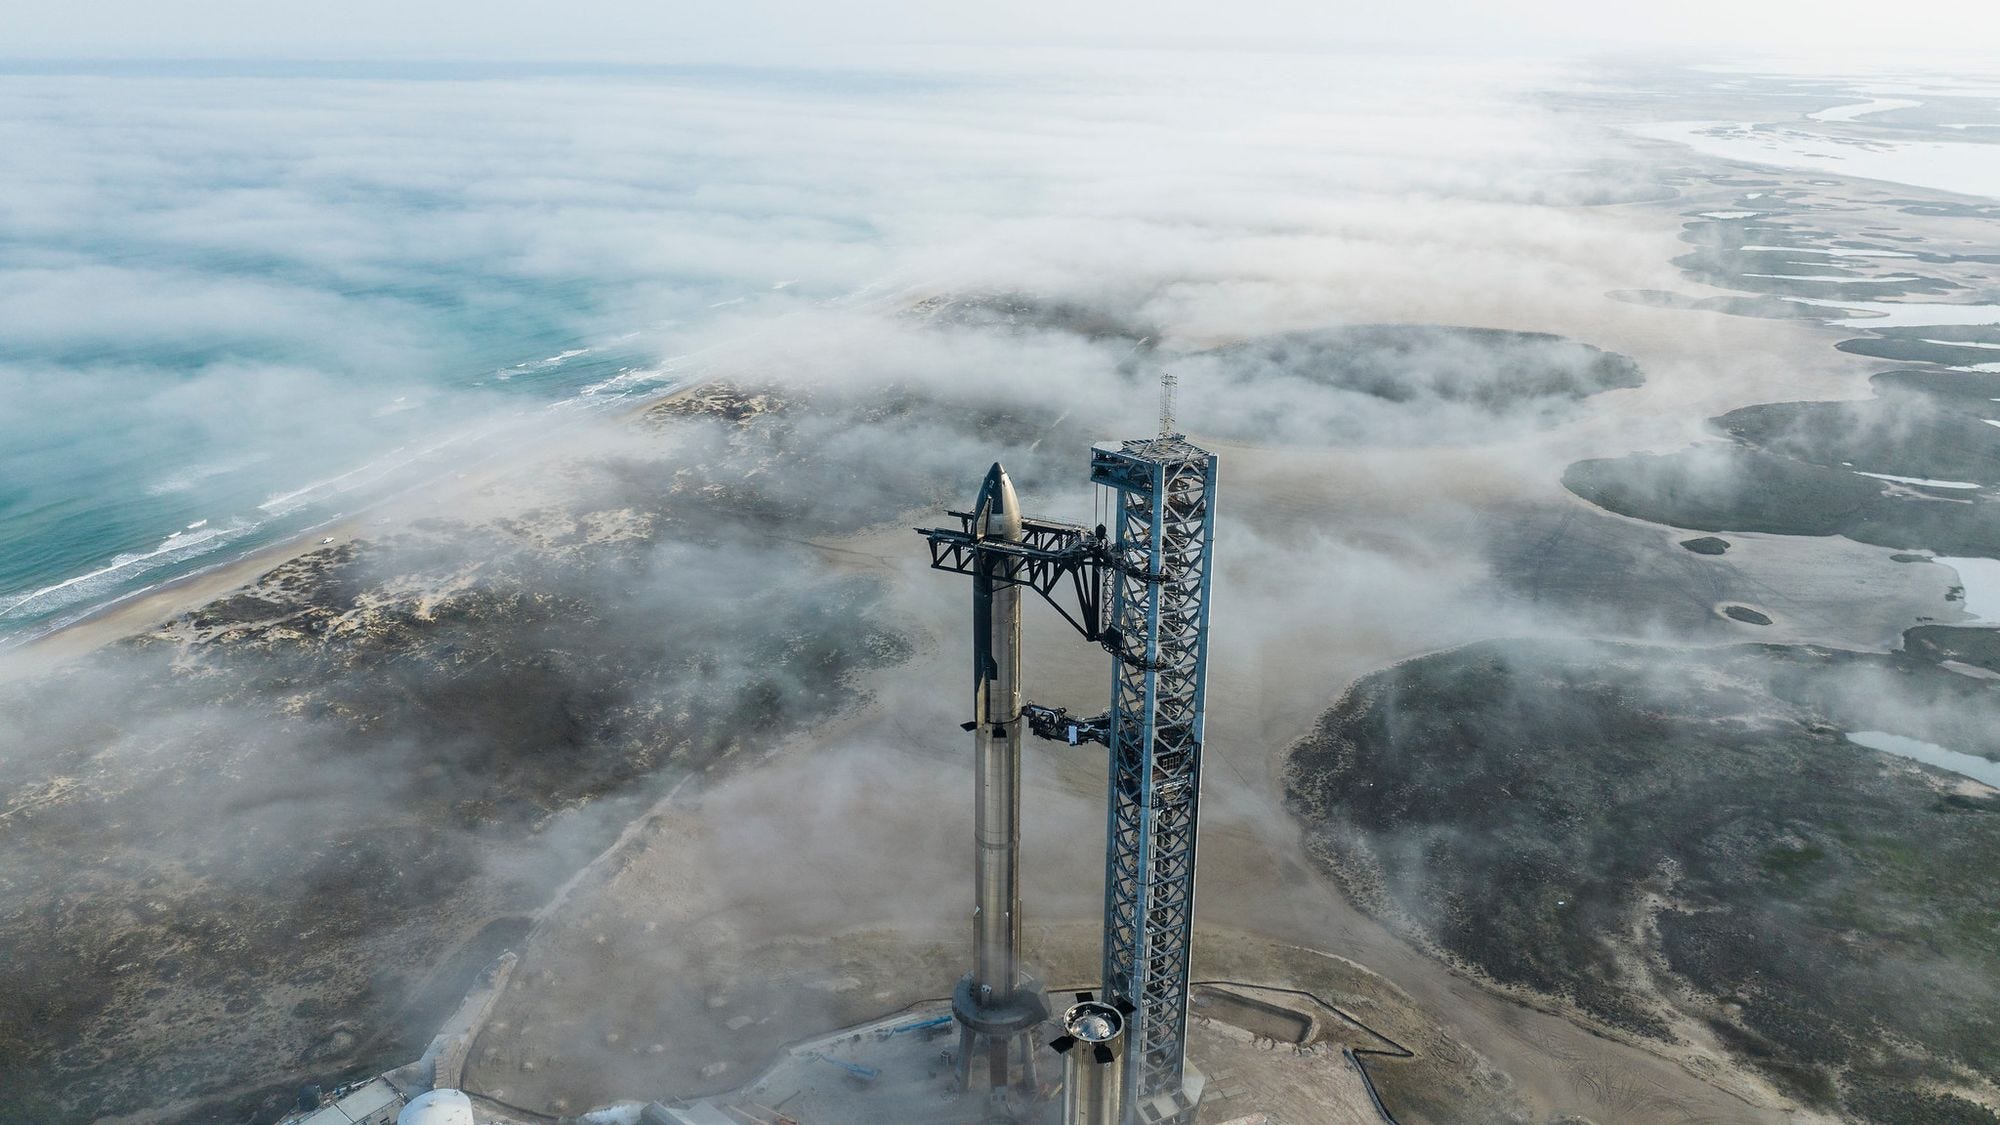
(1164, 508)
(1151, 572)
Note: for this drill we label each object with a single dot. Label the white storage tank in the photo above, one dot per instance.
(438, 1107)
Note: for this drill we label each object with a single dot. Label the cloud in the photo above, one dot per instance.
(944, 269)
(628, 30)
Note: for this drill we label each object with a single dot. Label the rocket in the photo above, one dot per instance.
(996, 1005)
(996, 744)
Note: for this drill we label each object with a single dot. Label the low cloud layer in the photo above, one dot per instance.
(626, 29)
(926, 273)
(238, 286)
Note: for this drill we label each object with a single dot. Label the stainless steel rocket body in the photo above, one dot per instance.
(996, 702)
(996, 1004)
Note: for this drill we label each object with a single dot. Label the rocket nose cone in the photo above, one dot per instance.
(999, 506)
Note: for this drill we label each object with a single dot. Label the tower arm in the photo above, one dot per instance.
(1056, 725)
(1062, 562)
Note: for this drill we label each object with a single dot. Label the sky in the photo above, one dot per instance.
(638, 30)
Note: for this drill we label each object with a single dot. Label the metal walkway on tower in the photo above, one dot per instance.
(1158, 632)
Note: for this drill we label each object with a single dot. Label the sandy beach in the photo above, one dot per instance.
(450, 492)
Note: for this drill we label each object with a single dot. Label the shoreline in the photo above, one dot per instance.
(132, 614)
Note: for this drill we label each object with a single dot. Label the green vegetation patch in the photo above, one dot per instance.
(1902, 432)
(1672, 839)
(1974, 645)
(1425, 384)
(1726, 488)
(1916, 350)
(1716, 487)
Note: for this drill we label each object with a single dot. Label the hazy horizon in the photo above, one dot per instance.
(630, 32)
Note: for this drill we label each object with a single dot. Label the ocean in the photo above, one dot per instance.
(238, 302)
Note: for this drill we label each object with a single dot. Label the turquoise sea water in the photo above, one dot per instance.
(240, 301)
(139, 464)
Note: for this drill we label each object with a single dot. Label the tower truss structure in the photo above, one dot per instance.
(1159, 569)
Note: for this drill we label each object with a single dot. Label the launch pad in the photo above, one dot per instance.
(1274, 1056)
(1140, 589)
(1110, 1047)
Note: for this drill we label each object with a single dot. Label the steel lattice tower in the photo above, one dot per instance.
(1152, 575)
(1164, 507)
